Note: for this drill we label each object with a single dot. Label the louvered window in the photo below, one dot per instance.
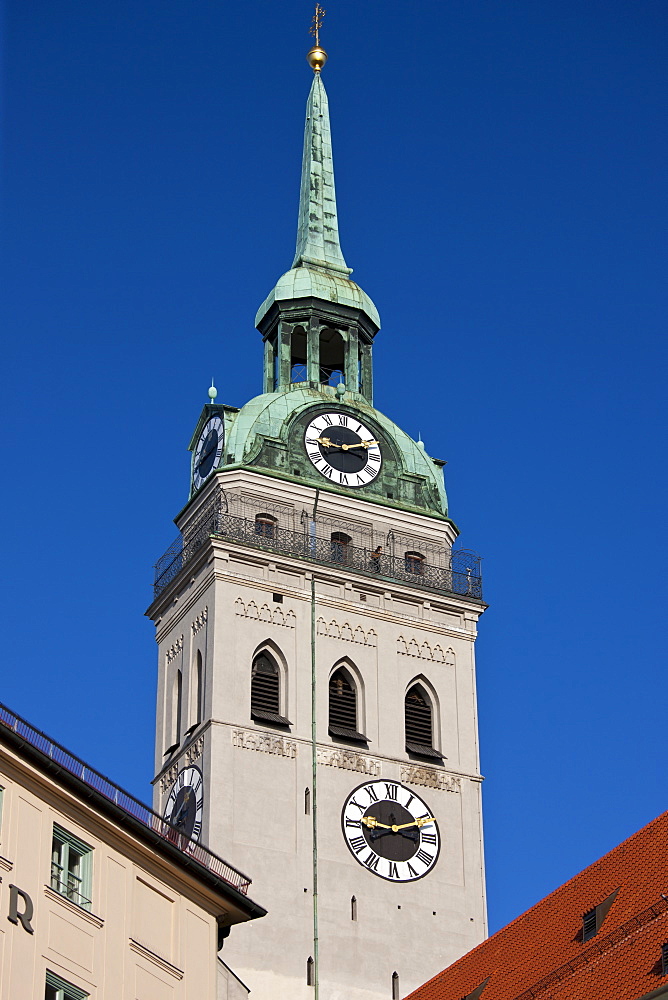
(266, 691)
(593, 919)
(589, 925)
(419, 729)
(265, 525)
(343, 707)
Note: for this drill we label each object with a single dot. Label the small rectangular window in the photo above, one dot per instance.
(664, 959)
(278, 598)
(59, 989)
(589, 925)
(71, 867)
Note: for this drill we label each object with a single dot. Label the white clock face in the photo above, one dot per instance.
(183, 809)
(209, 450)
(390, 831)
(343, 449)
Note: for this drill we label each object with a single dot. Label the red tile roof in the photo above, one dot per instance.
(541, 954)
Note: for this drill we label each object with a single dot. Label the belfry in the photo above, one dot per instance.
(316, 710)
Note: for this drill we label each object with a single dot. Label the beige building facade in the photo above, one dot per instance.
(98, 897)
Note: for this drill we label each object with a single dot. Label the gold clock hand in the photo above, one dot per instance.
(362, 444)
(416, 822)
(372, 823)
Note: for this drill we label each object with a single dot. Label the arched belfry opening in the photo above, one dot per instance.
(332, 357)
(318, 352)
(298, 356)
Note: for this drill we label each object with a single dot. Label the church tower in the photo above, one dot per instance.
(316, 710)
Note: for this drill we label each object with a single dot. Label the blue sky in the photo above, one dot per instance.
(501, 182)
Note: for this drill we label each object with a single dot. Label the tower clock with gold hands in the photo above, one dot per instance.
(342, 449)
(390, 831)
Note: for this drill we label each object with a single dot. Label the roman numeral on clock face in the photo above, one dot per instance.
(425, 858)
(391, 791)
(371, 860)
(428, 838)
(394, 871)
(358, 844)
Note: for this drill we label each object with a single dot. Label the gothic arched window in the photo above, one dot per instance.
(266, 691)
(179, 706)
(265, 525)
(343, 707)
(340, 543)
(198, 689)
(419, 720)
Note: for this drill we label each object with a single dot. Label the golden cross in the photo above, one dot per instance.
(317, 23)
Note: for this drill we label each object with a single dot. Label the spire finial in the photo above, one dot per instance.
(213, 392)
(317, 57)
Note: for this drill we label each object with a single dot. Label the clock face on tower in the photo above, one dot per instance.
(390, 831)
(342, 449)
(184, 805)
(208, 450)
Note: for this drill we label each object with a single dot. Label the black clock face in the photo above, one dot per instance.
(208, 451)
(343, 449)
(390, 831)
(184, 805)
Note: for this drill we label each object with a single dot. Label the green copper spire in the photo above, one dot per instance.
(318, 229)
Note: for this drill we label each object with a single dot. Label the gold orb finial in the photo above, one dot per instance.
(317, 57)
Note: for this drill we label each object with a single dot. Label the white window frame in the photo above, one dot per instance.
(71, 867)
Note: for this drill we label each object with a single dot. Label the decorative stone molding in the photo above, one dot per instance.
(265, 613)
(195, 750)
(345, 632)
(425, 651)
(430, 778)
(175, 649)
(349, 760)
(155, 959)
(250, 740)
(169, 777)
(192, 753)
(200, 621)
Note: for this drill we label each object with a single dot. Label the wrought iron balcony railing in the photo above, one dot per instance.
(456, 572)
(140, 812)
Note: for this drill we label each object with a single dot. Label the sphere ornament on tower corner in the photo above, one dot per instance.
(342, 449)
(390, 831)
(209, 449)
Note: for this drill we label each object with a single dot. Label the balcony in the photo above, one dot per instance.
(424, 565)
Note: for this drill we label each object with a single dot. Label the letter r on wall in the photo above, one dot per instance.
(26, 914)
